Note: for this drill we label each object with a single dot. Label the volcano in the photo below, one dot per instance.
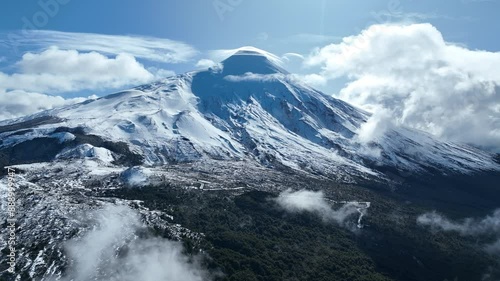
(247, 108)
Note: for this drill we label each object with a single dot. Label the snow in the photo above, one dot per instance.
(63, 137)
(87, 151)
(204, 115)
(37, 262)
(102, 154)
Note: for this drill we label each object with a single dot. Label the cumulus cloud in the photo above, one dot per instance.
(17, 103)
(55, 70)
(314, 202)
(206, 63)
(150, 48)
(112, 251)
(423, 81)
(489, 226)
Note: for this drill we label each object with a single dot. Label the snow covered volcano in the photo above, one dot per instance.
(248, 108)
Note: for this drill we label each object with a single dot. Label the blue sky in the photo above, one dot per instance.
(270, 25)
(413, 63)
(199, 23)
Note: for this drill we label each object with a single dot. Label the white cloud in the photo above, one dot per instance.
(423, 81)
(314, 202)
(374, 129)
(60, 71)
(303, 200)
(290, 56)
(17, 103)
(150, 48)
(488, 226)
(55, 71)
(206, 63)
(94, 256)
(314, 80)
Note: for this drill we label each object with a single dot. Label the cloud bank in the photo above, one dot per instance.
(112, 251)
(488, 226)
(55, 71)
(314, 202)
(14, 104)
(422, 81)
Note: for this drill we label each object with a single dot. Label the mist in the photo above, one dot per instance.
(487, 226)
(314, 202)
(112, 251)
